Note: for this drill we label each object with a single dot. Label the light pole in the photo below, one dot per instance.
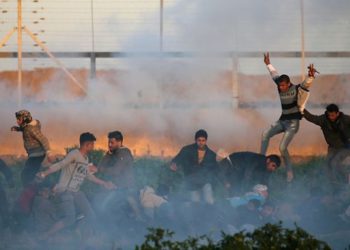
(302, 40)
(19, 51)
(20, 29)
(93, 56)
(161, 17)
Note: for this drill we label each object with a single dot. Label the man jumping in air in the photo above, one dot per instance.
(293, 99)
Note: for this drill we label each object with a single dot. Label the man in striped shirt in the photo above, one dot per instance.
(293, 99)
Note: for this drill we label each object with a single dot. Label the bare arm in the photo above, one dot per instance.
(306, 84)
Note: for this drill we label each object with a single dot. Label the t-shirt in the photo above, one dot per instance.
(201, 154)
(74, 170)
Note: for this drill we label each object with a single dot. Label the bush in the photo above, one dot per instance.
(270, 236)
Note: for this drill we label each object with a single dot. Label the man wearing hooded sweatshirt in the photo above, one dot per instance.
(335, 126)
(198, 163)
(35, 143)
(293, 99)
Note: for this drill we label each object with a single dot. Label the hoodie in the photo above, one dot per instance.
(35, 143)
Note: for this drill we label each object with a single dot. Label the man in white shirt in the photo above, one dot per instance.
(74, 168)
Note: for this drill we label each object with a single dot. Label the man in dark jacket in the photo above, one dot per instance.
(198, 163)
(242, 170)
(4, 210)
(335, 126)
(117, 165)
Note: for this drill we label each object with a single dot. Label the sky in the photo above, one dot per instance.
(223, 25)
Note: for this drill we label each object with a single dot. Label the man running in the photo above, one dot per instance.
(35, 143)
(74, 168)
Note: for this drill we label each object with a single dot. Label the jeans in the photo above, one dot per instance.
(69, 203)
(206, 192)
(117, 205)
(31, 168)
(44, 214)
(337, 171)
(289, 128)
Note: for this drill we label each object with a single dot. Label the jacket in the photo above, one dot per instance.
(243, 170)
(196, 174)
(336, 134)
(118, 167)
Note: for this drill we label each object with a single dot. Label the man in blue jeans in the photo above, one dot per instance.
(293, 99)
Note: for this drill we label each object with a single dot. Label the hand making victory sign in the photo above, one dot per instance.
(312, 71)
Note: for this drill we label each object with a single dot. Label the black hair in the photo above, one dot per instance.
(86, 137)
(332, 108)
(116, 135)
(283, 78)
(275, 158)
(201, 133)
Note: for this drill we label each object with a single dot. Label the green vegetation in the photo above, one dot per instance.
(268, 237)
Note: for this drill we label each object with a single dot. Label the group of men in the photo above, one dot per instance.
(335, 125)
(201, 166)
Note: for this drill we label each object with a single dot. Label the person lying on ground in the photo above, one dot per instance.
(259, 193)
(240, 171)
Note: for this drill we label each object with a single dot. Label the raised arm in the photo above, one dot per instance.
(316, 119)
(273, 72)
(306, 84)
